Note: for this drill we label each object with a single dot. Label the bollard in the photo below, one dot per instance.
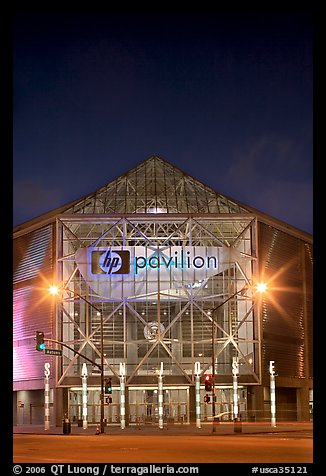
(237, 425)
(66, 425)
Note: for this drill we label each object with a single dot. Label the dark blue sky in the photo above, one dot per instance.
(226, 97)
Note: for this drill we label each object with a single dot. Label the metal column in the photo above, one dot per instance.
(197, 372)
(84, 394)
(47, 396)
(160, 397)
(122, 396)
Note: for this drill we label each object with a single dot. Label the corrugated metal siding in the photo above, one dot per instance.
(32, 254)
(32, 311)
(308, 254)
(283, 309)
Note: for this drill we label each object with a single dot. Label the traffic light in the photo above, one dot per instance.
(108, 386)
(40, 346)
(207, 398)
(208, 382)
(109, 400)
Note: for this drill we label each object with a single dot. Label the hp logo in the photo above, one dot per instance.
(111, 262)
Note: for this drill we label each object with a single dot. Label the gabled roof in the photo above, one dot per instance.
(154, 186)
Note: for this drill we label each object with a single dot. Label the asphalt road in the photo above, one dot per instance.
(287, 447)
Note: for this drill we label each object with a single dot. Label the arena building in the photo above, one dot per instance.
(157, 274)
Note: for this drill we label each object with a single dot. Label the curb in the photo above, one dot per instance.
(224, 429)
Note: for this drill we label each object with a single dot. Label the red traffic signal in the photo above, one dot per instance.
(108, 399)
(208, 382)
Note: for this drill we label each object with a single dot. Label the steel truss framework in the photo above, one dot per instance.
(176, 330)
(155, 186)
(155, 205)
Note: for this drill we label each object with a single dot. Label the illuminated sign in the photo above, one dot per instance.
(133, 271)
(110, 261)
(115, 261)
(235, 366)
(272, 367)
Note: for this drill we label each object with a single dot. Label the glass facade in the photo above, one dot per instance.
(173, 324)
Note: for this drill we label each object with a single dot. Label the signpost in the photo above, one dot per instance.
(57, 352)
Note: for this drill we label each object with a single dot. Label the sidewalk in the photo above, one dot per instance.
(226, 428)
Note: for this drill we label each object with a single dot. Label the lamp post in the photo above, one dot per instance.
(261, 288)
(54, 290)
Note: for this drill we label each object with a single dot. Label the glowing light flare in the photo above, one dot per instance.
(54, 290)
(261, 287)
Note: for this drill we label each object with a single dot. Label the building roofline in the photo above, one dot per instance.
(51, 216)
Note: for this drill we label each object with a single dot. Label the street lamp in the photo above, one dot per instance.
(54, 290)
(260, 288)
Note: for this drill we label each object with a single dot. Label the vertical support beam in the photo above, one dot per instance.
(57, 274)
(15, 403)
(235, 372)
(192, 403)
(213, 374)
(197, 372)
(47, 396)
(84, 394)
(102, 374)
(158, 298)
(303, 403)
(160, 397)
(272, 393)
(258, 402)
(122, 396)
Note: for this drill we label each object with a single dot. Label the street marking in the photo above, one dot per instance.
(129, 448)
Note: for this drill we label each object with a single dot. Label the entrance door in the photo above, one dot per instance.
(143, 405)
(111, 411)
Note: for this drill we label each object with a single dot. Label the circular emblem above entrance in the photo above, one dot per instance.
(151, 330)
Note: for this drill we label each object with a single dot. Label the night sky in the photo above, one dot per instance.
(226, 97)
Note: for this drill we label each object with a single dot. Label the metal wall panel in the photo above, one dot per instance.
(32, 309)
(284, 309)
(308, 261)
(32, 254)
